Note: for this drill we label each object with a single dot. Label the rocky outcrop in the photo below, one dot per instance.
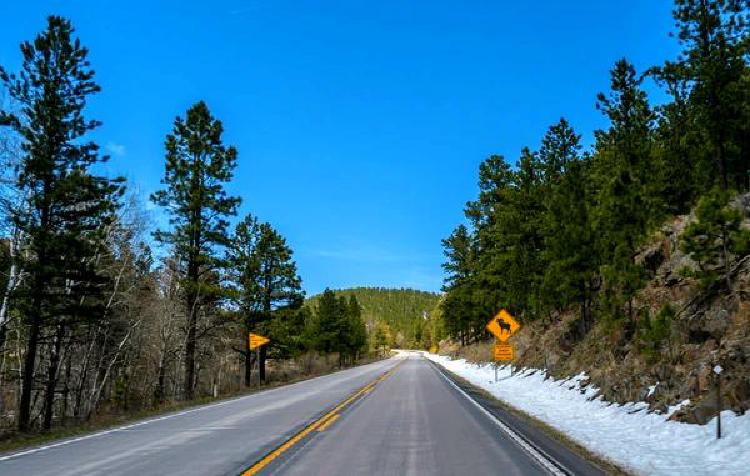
(708, 327)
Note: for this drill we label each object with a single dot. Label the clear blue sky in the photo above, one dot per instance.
(360, 125)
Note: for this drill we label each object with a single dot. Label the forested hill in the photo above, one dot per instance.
(399, 313)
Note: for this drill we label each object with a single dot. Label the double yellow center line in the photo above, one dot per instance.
(321, 424)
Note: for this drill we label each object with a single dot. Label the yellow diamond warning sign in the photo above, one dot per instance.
(503, 326)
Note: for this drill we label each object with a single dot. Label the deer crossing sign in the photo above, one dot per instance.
(502, 326)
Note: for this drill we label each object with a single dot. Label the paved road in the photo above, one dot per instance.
(218, 439)
(414, 421)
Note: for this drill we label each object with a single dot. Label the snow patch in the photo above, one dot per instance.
(629, 435)
(674, 408)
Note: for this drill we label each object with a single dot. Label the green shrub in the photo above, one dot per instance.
(654, 331)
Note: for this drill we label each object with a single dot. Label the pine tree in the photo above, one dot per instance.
(244, 264)
(569, 247)
(509, 258)
(716, 42)
(495, 176)
(716, 237)
(458, 307)
(68, 207)
(345, 329)
(198, 165)
(626, 202)
(680, 172)
(458, 252)
(357, 325)
(526, 232)
(325, 329)
(560, 147)
(288, 332)
(266, 279)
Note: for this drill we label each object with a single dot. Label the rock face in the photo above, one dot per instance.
(705, 327)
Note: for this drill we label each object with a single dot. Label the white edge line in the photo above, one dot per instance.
(543, 459)
(160, 418)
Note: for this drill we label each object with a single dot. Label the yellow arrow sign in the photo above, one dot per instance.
(503, 352)
(503, 326)
(256, 341)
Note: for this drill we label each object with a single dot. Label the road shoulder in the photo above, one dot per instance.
(573, 456)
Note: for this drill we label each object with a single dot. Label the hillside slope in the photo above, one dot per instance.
(403, 312)
(666, 356)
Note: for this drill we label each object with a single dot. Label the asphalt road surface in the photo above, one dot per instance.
(401, 416)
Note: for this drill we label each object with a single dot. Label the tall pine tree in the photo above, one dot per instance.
(68, 207)
(358, 329)
(198, 165)
(459, 250)
(569, 253)
(626, 202)
(716, 44)
(266, 279)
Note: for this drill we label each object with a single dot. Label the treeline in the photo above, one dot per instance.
(397, 318)
(336, 326)
(561, 228)
(90, 320)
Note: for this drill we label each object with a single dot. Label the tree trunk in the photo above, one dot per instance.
(262, 364)
(3, 333)
(161, 379)
(84, 373)
(14, 278)
(24, 411)
(66, 385)
(97, 391)
(248, 363)
(49, 395)
(190, 344)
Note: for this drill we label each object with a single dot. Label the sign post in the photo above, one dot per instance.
(502, 326)
(255, 342)
(717, 371)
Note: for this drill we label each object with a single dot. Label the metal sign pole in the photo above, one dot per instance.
(717, 371)
(257, 360)
(495, 359)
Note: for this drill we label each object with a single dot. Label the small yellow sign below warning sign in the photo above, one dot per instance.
(503, 352)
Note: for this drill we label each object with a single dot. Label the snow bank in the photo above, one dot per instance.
(645, 443)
